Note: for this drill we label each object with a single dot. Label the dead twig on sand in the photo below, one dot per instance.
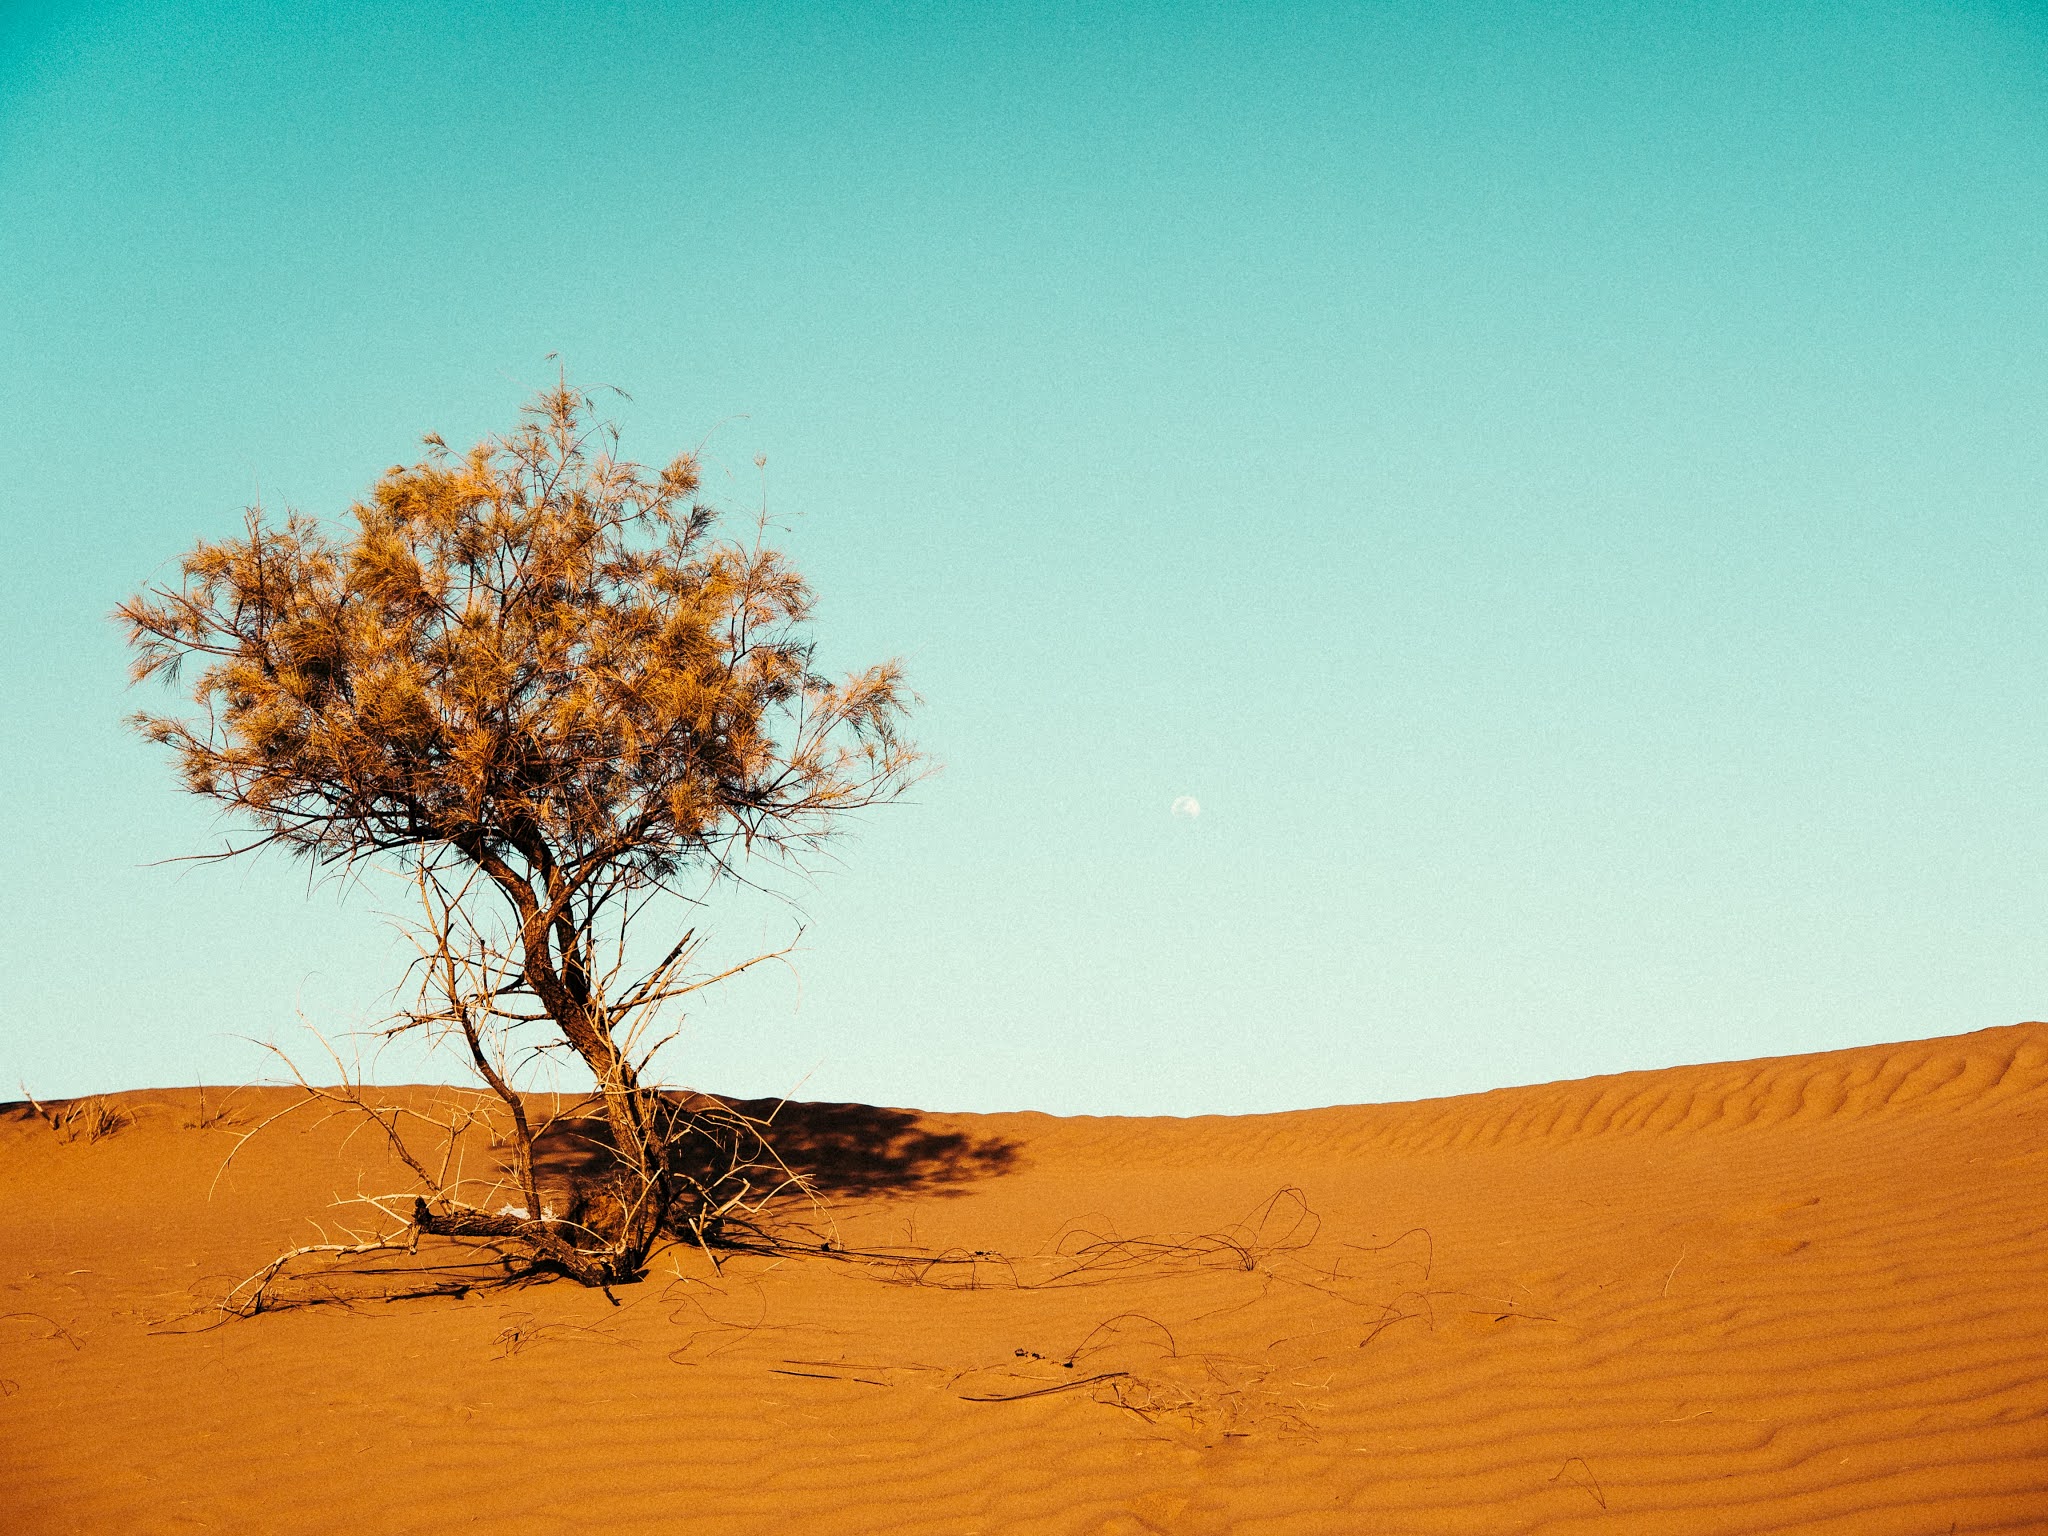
(57, 1329)
(1661, 1295)
(1134, 1363)
(1280, 1224)
(1583, 1479)
(1064, 1386)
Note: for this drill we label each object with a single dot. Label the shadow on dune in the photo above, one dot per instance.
(857, 1149)
(847, 1150)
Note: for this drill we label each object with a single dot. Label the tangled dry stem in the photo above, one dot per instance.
(492, 1228)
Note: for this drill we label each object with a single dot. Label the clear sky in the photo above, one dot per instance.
(1562, 487)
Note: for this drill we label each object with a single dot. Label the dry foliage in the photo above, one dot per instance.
(535, 678)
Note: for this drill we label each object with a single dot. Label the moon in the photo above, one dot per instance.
(1187, 807)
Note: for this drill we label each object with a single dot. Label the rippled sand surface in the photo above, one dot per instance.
(1807, 1294)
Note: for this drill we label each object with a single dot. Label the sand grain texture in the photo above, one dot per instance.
(1800, 1295)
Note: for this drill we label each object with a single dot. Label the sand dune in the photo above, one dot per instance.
(1800, 1295)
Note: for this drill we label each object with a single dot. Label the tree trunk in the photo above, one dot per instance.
(644, 1184)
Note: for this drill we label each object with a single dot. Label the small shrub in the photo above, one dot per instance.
(211, 1116)
(88, 1119)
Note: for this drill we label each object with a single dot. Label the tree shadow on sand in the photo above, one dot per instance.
(842, 1150)
(755, 1170)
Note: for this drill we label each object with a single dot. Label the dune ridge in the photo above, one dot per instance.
(1805, 1294)
(1997, 1065)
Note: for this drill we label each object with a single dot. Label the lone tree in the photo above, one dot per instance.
(535, 678)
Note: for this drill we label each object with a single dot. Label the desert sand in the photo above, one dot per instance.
(1808, 1294)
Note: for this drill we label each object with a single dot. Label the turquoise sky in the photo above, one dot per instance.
(1562, 486)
